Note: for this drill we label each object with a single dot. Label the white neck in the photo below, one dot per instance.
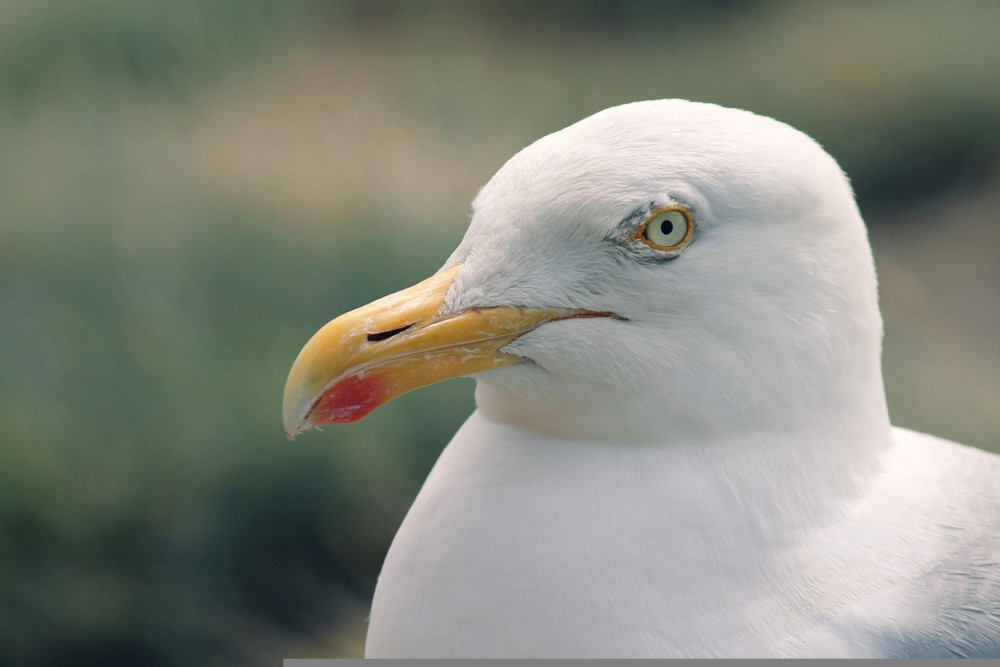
(690, 535)
(773, 478)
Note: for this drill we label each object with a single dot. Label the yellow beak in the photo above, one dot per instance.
(399, 343)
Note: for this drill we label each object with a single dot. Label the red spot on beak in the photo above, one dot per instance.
(349, 400)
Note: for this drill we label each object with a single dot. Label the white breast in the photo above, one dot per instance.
(524, 546)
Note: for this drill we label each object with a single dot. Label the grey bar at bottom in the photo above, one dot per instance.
(297, 662)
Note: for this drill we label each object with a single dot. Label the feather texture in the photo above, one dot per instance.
(715, 474)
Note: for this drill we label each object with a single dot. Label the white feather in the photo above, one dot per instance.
(716, 475)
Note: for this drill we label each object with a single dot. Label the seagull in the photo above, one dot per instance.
(681, 446)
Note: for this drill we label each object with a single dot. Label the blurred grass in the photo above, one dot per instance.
(191, 189)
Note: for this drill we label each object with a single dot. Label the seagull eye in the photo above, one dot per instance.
(667, 228)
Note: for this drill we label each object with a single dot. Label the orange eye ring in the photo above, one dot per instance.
(658, 217)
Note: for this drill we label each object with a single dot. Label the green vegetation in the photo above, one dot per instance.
(190, 189)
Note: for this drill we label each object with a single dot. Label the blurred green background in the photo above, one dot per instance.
(190, 188)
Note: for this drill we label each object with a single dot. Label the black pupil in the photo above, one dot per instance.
(666, 227)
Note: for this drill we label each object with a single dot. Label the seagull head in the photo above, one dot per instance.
(660, 271)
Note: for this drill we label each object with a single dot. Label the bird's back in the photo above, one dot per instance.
(937, 532)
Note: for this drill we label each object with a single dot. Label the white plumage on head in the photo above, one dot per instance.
(777, 288)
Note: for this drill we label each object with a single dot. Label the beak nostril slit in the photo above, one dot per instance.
(382, 335)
